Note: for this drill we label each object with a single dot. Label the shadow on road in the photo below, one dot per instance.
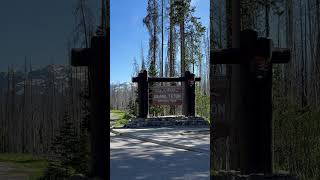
(134, 159)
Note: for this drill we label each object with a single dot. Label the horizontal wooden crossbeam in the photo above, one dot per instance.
(179, 79)
(135, 79)
(280, 56)
(226, 56)
(234, 56)
(81, 57)
(158, 79)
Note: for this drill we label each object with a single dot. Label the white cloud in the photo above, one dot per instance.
(135, 19)
(194, 2)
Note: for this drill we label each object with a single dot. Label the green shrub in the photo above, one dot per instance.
(297, 140)
(70, 151)
(202, 104)
(123, 120)
(56, 170)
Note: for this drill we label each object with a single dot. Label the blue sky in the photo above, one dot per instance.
(128, 34)
(37, 29)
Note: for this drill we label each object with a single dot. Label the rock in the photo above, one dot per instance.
(78, 177)
(228, 175)
(168, 121)
(95, 178)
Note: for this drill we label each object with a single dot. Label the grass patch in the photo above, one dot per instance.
(117, 111)
(25, 163)
(121, 123)
(119, 114)
(123, 117)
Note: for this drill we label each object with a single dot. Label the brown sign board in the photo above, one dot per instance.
(166, 95)
(219, 96)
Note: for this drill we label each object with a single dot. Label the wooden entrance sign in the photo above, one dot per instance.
(166, 95)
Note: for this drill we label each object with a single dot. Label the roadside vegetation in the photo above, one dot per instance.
(202, 104)
(122, 117)
(27, 164)
(296, 142)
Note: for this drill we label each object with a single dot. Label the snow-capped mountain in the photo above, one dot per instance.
(42, 79)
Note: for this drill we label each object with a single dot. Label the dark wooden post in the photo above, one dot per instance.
(189, 96)
(99, 98)
(237, 88)
(140, 96)
(143, 101)
(145, 92)
(185, 91)
(192, 97)
(139, 91)
(255, 130)
(247, 45)
(96, 59)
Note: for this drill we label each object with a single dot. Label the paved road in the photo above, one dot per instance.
(8, 172)
(133, 159)
(113, 118)
(192, 137)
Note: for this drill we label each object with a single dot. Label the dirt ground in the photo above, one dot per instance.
(10, 172)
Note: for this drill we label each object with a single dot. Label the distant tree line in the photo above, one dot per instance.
(45, 112)
(31, 109)
(121, 95)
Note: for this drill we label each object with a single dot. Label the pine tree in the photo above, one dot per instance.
(132, 107)
(70, 150)
(191, 33)
(82, 155)
(142, 60)
(152, 23)
(63, 147)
